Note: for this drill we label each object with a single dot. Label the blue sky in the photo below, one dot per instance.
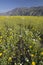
(6, 5)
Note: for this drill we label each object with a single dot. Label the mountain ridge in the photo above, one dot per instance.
(25, 11)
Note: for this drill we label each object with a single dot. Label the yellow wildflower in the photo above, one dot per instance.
(10, 59)
(33, 63)
(32, 55)
(30, 46)
(24, 48)
(4, 51)
(41, 53)
(11, 37)
(0, 54)
(0, 41)
(1, 37)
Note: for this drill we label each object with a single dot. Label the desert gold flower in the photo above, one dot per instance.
(33, 63)
(11, 36)
(4, 51)
(32, 55)
(30, 46)
(1, 37)
(24, 48)
(0, 41)
(10, 59)
(41, 53)
(0, 54)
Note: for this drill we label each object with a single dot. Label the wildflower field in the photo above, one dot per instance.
(21, 40)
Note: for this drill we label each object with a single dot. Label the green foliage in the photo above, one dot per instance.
(20, 41)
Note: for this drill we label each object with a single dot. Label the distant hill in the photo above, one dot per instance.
(32, 11)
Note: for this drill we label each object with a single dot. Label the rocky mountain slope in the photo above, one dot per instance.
(32, 11)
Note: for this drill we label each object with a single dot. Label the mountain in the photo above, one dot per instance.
(32, 11)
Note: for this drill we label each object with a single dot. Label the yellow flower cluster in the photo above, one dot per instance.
(32, 55)
(4, 51)
(0, 40)
(33, 63)
(10, 59)
(41, 53)
(1, 37)
(0, 54)
(30, 46)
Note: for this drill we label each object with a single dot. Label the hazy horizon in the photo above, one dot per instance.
(6, 5)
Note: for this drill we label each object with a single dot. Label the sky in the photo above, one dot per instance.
(6, 5)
